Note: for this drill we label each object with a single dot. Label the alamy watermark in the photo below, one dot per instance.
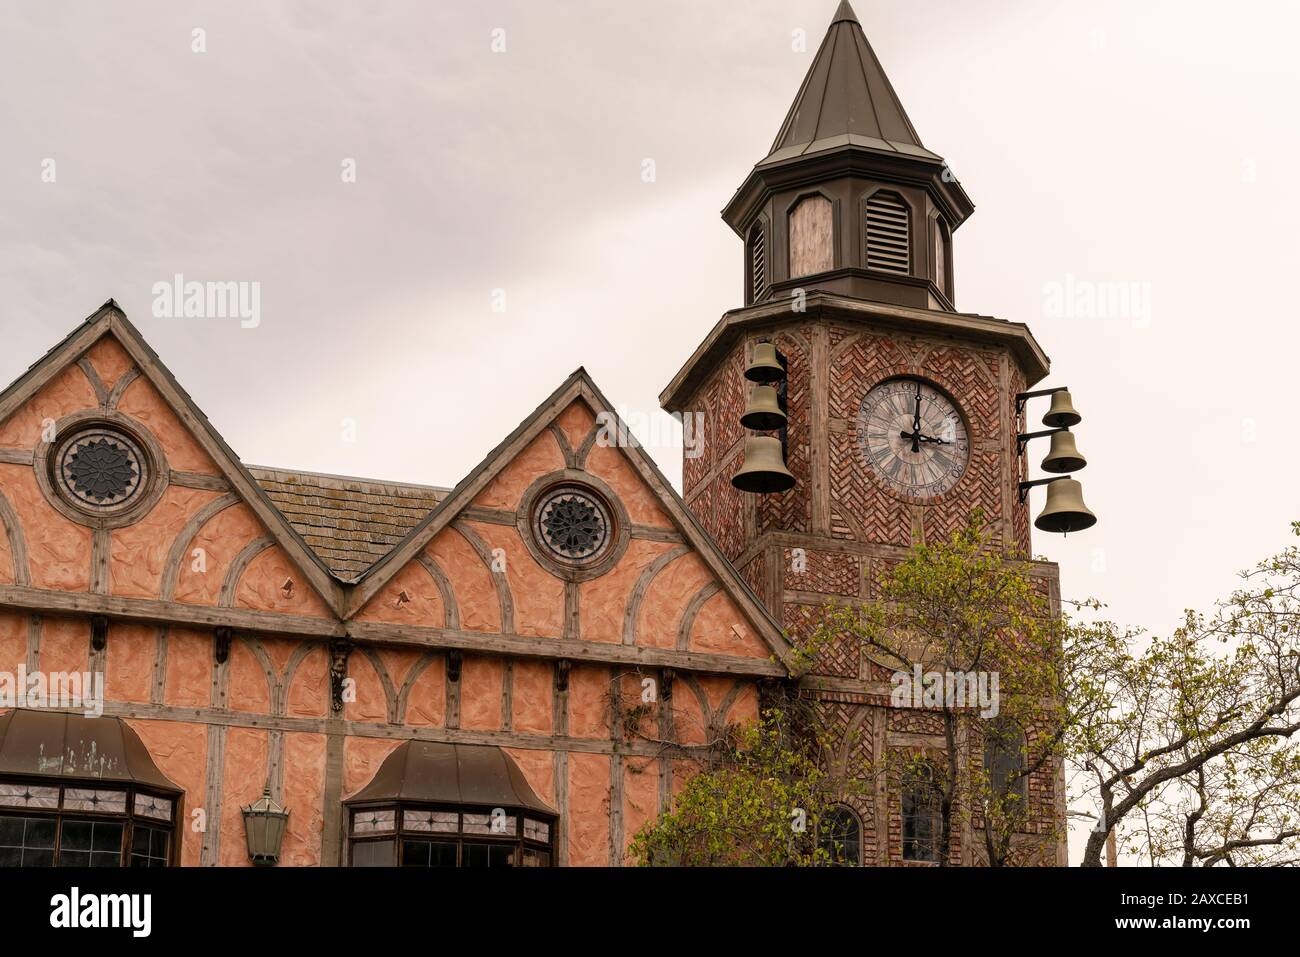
(1076, 298)
(179, 299)
(953, 689)
(615, 430)
(67, 690)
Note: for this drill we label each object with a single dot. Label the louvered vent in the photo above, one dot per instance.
(758, 260)
(887, 234)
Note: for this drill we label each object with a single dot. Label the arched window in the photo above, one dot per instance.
(941, 242)
(839, 834)
(888, 233)
(1004, 761)
(757, 260)
(812, 236)
(921, 813)
(101, 803)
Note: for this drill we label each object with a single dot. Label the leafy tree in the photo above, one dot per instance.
(760, 803)
(966, 616)
(1193, 758)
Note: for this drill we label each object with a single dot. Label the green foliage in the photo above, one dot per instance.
(965, 607)
(759, 805)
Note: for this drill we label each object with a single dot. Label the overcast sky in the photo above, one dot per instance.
(1150, 144)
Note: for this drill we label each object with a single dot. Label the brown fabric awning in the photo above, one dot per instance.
(427, 771)
(62, 745)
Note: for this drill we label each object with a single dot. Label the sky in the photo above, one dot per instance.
(446, 209)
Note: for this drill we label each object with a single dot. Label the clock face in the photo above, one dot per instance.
(913, 437)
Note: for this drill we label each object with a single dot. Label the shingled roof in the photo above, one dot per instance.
(349, 522)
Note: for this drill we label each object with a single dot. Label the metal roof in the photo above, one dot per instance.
(846, 101)
(438, 773)
(65, 745)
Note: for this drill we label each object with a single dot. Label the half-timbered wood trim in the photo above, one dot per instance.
(643, 583)
(16, 457)
(207, 483)
(180, 549)
(253, 495)
(528, 646)
(56, 602)
(562, 440)
(17, 542)
(230, 584)
(500, 579)
(692, 612)
(121, 385)
(96, 383)
(450, 610)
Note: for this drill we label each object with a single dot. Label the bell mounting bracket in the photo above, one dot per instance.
(1024, 397)
(1026, 486)
(1026, 437)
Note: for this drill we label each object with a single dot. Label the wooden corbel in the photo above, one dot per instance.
(340, 651)
(221, 644)
(98, 632)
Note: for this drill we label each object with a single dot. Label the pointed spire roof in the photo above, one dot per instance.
(846, 100)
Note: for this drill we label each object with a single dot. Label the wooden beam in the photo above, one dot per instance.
(50, 601)
(527, 646)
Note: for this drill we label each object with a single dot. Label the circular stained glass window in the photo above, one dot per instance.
(573, 523)
(100, 469)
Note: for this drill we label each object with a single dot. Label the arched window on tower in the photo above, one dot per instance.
(941, 246)
(839, 834)
(921, 812)
(1004, 763)
(812, 236)
(757, 261)
(888, 233)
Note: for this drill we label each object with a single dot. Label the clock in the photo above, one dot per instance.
(913, 438)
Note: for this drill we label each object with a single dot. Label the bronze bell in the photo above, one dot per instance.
(765, 366)
(1065, 511)
(1061, 415)
(1064, 456)
(763, 414)
(764, 470)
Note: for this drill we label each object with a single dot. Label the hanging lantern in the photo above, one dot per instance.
(264, 824)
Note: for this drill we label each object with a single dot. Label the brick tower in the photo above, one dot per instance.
(847, 227)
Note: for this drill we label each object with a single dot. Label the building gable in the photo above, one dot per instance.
(200, 531)
(482, 564)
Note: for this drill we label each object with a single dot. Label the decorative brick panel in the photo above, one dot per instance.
(826, 573)
(842, 656)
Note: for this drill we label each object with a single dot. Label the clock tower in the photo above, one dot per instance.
(902, 413)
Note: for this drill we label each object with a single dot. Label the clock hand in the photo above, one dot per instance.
(917, 438)
(916, 421)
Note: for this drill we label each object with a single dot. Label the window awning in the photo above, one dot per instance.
(463, 774)
(63, 745)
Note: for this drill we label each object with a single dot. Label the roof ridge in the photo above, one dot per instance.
(274, 469)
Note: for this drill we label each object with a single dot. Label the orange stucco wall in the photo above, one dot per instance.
(220, 731)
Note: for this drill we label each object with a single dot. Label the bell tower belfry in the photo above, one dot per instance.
(849, 200)
(901, 414)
